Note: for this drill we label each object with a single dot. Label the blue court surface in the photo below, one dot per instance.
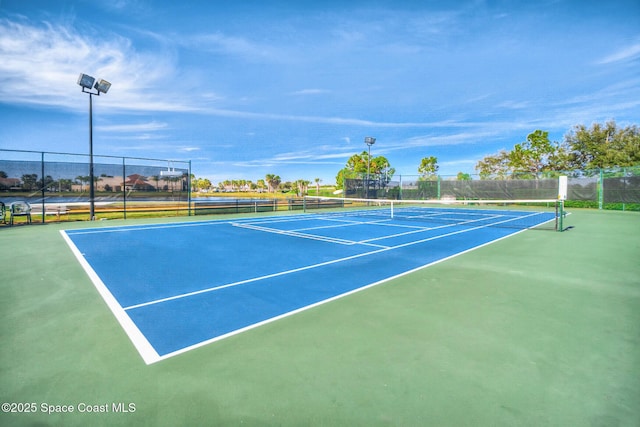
(177, 286)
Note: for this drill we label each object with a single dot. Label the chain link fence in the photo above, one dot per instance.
(57, 185)
(614, 188)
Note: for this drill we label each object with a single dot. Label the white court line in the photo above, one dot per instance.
(150, 355)
(309, 267)
(144, 347)
(382, 222)
(318, 303)
(125, 228)
(345, 223)
(423, 229)
(296, 233)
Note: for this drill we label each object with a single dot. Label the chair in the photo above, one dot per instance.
(20, 209)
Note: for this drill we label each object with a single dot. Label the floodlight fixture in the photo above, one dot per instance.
(369, 140)
(101, 86)
(86, 81)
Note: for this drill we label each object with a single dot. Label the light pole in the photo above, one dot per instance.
(369, 140)
(101, 86)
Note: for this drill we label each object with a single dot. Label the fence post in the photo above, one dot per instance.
(189, 190)
(601, 190)
(43, 186)
(624, 188)
(124, 189)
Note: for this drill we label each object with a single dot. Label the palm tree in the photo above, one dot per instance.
(273, 181)
(261, 184)
(82, 180)
(317, 181)
(156, 178)
(303, 186)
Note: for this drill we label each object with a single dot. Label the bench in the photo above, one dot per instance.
(20, 209)
(51, 209)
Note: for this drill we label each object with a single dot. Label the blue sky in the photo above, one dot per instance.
(247, 88)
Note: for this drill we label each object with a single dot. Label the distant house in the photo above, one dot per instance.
(133, 182)
(10, 184)
(139, 183)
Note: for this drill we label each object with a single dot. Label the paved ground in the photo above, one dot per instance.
(539, 329)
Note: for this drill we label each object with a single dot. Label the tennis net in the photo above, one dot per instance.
(521, 214)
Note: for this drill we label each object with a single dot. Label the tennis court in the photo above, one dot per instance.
(255, 270)
(538, 329)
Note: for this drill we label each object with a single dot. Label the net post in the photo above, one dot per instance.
(43, 188)
(304, 204)
(392, 209)
(562, 196)
(189, 191)
(124, 188)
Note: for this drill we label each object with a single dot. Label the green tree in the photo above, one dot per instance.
(463, 176)
(603, 146)
(496, 165)
(286, 186)
(30, 181)
(273, 181)
(64, 184)
(203, 184)
(46, 183)
(532, 156)
(428, 168)
(302, 186)
(358, 164)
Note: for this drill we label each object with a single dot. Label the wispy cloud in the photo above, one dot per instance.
(310, 92)
(134, 127)
(189, 149)
(514, 105)
(447, 139)
(343, 121)
(626, 53)
(41, 62)
(230, 45)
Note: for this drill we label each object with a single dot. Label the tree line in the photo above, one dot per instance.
(270, 184)
(583, 148)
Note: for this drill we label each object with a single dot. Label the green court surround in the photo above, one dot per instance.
(540, 329)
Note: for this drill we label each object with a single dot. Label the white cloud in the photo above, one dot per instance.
(309, 92)
(514, 105)
(626, 53)
(189, 149)
(230, 45)
(41, 63)
(134, 127)
(448, 139)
